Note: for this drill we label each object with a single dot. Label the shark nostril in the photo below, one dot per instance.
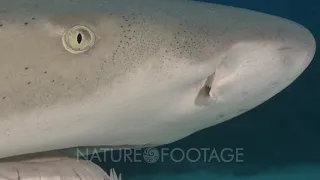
(206, 90)
(205, 96)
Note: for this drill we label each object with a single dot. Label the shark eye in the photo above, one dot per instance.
(78, 39)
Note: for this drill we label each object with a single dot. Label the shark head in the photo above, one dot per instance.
(76, 73)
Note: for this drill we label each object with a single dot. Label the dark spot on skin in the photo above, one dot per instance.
(52, 80)
(4, 98)
(29, 82)
(275, 83)
(26, 68)
(45, 72)
(221, 116)
(33, 18)
(1, 25)
(26, 23)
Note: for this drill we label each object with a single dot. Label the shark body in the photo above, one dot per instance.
(118, 73)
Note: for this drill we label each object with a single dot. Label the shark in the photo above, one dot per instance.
(131, 73)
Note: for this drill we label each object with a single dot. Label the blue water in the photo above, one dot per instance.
(280, 139)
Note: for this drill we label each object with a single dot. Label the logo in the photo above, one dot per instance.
(154, 155)
(151, 155)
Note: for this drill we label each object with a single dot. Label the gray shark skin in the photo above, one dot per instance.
(157, 70)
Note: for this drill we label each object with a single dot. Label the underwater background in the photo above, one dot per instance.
(279, 139)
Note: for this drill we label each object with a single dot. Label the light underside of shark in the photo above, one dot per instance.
(124, 73)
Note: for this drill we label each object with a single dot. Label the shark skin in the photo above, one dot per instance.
(138, 73)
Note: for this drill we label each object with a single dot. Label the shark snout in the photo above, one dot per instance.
(255, 70)
(297, 49)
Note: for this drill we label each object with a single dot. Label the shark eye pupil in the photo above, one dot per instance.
(79, 38)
